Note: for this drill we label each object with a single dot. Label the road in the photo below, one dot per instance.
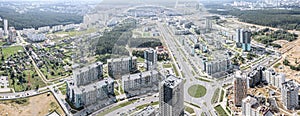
(186, 68)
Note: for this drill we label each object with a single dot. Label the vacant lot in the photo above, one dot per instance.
(39, 105)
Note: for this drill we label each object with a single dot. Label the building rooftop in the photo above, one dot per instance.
(290, 85)
(121, 59)
(91, 87)
(251, 100)
(84, 69)
(138, 75)
(172, 81)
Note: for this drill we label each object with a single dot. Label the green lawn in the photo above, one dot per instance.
(220, 110)
(175, 70)
(74, 32)
(189, 110)
(115, 108)
(63, 89)
(215, 96)
(167, 65)
(140, 60)
(222, 94)
(145, 105)
(197, 91)
(202, 79)
(8, 51)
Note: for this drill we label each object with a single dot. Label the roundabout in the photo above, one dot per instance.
(197, 91)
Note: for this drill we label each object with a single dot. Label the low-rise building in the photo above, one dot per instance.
(121, 66)
(140, 83)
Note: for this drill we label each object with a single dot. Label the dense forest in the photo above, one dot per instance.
(286, 19)
(36, 18)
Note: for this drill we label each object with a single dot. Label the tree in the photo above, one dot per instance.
(286, 62)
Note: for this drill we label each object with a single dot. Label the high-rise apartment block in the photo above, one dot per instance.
(289, 94)
(121, 66)
(208, 24)
(140, 83)
(274, 79)
(100, 92)
(88, 74)
(249, 106)
(256, 76)
(5, 27)
(240, 88)
(243, 39)
(171, 97)
(150, 56)
(88, 87)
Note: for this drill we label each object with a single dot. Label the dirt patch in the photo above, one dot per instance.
(39, 105)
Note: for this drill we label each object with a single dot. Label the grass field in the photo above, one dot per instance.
(145, 105)
(220, 110)
(222, 94)
(197, 91)
(8, 51)
(189, 110)
(167, 65)
(215, 96)
(115, 108)
(63, 89)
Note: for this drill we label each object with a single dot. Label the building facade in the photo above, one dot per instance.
(243, 39)
(92, 93)
(88, 74)
(121, 66)
(5, 27)
(274, 79)
(240, 88)
(289, 94)
(150, 56)
(140, 83)
(171, 97)
(249, 106)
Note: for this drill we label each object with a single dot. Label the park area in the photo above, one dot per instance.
(32, 106)
(197, 91)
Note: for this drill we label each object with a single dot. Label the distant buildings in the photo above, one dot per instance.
(240, 88)
(208, 25)
(57, 28)
(44, 29)
(1, 33)
(148, 111)
(88, 74)
(215, 66)
(243, 39)
(69, 27)
(89, 87)
(140, 83)
(289, 94)
(34, 37)
(150, 56)
(5, 27)
(171, 93)
(120, 66)
(12, 35)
